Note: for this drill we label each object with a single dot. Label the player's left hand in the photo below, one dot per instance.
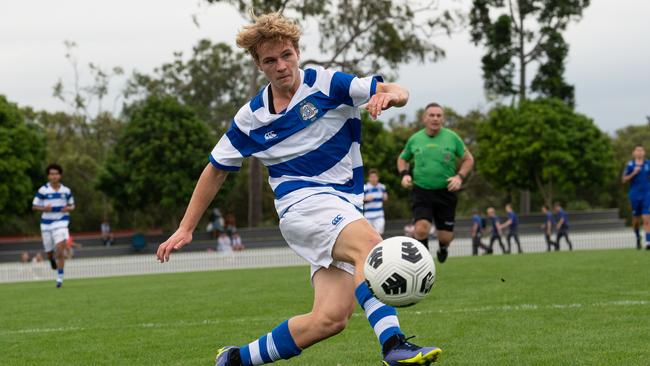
(380, 102)
(454, 183)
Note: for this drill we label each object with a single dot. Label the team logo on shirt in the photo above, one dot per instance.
(308, 111)
(337, 220)
(270, 135)
(447, 156)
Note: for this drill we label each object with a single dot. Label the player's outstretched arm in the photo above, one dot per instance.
(206, 188)
(387, 95)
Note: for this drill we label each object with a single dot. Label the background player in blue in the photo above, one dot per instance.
(495, 225)
(637, 173)
(562, 226)
(513, 225)
(55, 201)
(547, 227)
(305, 127)
(477, 233)
(374, 196)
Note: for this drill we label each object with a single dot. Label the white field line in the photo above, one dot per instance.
(491, 309)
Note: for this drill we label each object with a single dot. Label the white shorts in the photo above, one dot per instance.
(52, 237)
(312, 226)
(378, 224)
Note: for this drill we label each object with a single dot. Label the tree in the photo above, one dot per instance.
(545, 146)
(358, 37)
(518, 33)
(210, 82)
(21, 161)
(157, 160)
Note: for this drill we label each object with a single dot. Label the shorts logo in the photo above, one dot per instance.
(337, 220)
(450, 223)
(308, 111)
(270, 135)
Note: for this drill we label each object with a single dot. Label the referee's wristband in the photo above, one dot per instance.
(462, 177)
(404, 173)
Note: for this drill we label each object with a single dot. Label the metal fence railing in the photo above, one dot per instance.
(269, 257)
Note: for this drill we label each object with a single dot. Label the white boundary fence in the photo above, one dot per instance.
(264, 258)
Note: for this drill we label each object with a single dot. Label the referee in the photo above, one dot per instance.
(440, 163)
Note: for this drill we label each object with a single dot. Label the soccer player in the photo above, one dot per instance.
(512, 224)
(374, 196)
(55, 201)
(440, 164)
(305, 128)
(547, 226)
(637, 173)
(562, 226)
(495, 225)
(477, 233)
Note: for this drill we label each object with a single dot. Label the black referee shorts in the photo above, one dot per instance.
(435, 205)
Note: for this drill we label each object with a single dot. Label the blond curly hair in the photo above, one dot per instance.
(267, 27)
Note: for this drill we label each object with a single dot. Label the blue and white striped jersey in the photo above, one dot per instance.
(312, 147)
(374, 209)
(57, 199)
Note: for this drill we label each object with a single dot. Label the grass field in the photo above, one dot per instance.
(567, 308)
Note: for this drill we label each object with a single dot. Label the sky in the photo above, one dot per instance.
(608, 63)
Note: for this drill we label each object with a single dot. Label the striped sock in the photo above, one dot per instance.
(637, 232)
(270, 347)
(382, 318)
(647, 238)
(59, 277)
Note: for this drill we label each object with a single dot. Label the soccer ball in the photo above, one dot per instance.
(400, 271)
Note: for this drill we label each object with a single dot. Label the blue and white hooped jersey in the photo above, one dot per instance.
(374, 209)
(313, 147)
(640, 184)
(57, 199)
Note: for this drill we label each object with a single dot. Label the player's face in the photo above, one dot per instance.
(639, 153)
(433, 118)
(279, 62)
(373, 179)
(53, 176)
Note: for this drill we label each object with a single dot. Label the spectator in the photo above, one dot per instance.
(496, 230)
(547, 227)
(478, 225)
(513, 225)
(107, 234)
(216, 223)
(562, 226)
(233, 234)
(24, 257)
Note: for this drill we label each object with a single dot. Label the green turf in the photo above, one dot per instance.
(578, 308)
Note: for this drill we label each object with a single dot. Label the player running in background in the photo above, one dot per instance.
(637, 173)
(562, 226)
(477, 233)
(547, 227)
(513, 225)
(374, 196)
(305, 127)
(440, 164)
(55, 201)
(495, 225)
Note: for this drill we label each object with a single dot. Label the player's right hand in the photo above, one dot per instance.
(636, 170)
(407, 181)
(175, 242)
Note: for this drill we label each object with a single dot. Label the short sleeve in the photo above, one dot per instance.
(225, 155)
(352, 90)
(628, 169)
(460, 147)
(407, 154)
(70, 198)
(38, 199)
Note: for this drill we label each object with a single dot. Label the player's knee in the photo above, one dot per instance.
(332, 323)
